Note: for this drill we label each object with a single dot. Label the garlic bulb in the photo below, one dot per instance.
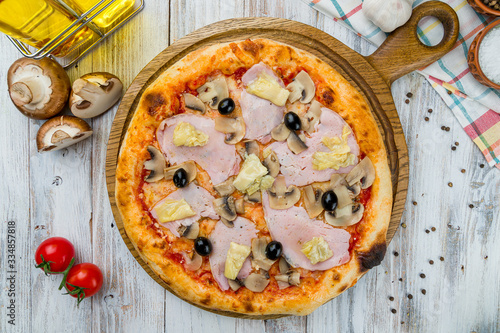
(388, 14)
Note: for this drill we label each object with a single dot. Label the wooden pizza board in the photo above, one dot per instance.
(400, 54)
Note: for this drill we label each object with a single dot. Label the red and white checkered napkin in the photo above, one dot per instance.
(476, 107)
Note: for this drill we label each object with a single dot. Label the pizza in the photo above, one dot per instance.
(253, 180)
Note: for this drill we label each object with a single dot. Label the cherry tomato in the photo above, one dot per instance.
(54, 255)
(84, 280)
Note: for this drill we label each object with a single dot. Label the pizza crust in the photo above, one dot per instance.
(161, 100)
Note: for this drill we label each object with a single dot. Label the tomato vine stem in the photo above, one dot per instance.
(65, 272)
(45, 265)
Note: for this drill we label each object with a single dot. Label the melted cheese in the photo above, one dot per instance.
(317, 250)
(340, 153)
(236, 256)
(266, 87)
(172, 210)
(254, 187)
(266, 182)
(322, 160)
(186, 134)
(251, 170)
(260, 184)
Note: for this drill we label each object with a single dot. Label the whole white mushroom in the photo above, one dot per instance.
(38, 88)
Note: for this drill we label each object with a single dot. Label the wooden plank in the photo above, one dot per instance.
(293, 324)
(439, 197)
(60, 188)
(14, 210)
(60, 192)
(121, 306)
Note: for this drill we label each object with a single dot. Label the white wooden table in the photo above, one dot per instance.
(441, 272)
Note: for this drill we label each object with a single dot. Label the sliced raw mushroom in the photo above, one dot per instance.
(252, 147)
(256, 197)
(189, 167)
(363, 173)
(239, 204)
(301, 88)
(282, 280)
(343, 196)
(336, 180)
(189, 231)
(213, 92)
(284, 266)
(306, 125)
(38, 88)
(313, 115)
(341, 212)
(226, 187)
(281, 197)
(235, 284)
(295, 143)
(356, 214)
(280, 132)
(272, 164)
(260, 261)
(234, 127)
(61, 132)
(225, 208)
(156, 164)
(292, 278)
(355, 189)
(227, 223)
(94, 94)
(256, 282)
(192, 263)
(194, 103)
(248, 148)
(312, 201)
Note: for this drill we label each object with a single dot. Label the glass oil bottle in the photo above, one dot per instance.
(109, 17)
(35, 22)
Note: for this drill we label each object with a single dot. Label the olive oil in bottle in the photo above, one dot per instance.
(35, 22)
(109, 17)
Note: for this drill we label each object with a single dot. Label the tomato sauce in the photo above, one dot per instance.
(364, 198)
(238, 74)
(177, 257)
(194, 84)
(287, 76)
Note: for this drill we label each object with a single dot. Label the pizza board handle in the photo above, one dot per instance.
(402, 52)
